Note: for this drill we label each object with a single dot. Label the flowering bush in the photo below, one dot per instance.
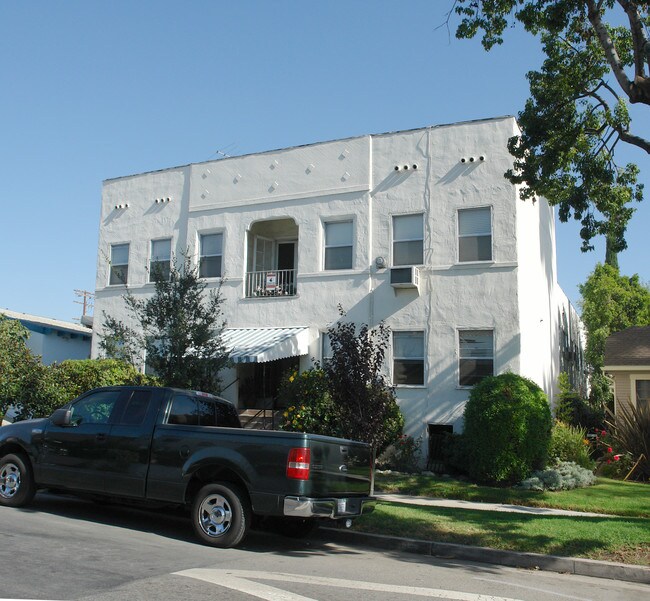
(309, 407)
(403, 455)
(611, 462)
(565, 475)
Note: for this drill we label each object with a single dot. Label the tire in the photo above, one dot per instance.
(221, 514)
(17, 486)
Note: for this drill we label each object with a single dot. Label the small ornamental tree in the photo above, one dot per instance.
(179, 331)
(366, 402)
(507, 429)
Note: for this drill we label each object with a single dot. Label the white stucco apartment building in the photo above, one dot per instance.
(417, 228)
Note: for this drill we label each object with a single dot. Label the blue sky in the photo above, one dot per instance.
(94, 90)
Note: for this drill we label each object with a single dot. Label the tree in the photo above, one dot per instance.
(366, 402)
(578, 109)
(610, 303)
(179, 332)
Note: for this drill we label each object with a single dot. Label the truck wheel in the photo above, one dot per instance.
(221, 514)
(17, 486)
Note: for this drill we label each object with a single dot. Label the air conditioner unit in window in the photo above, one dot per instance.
(405, 277)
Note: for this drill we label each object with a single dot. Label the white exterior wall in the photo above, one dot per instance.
(355, 179)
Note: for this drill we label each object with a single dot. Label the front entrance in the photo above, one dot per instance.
(259, 382)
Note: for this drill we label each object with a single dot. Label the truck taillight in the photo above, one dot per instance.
(298, 464)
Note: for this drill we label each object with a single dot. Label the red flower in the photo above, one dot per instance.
(609, 449)
(617, 457)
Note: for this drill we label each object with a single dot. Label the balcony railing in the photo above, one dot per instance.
(275, 282)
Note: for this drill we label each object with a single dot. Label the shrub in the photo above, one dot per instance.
(309, 407)
(629, 439)
(565, 475)
(507, 429)
(570, 443)
(573, 409)
(403, 455)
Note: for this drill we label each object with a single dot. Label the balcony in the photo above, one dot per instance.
(271, 283)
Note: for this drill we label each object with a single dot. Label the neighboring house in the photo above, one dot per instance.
(627, 363)
(52, 339)
(417, 228)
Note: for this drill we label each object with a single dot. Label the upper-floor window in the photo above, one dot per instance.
(119, 273)
(408, 239)
(211, 255)
(475, 234)
(475, 356)
(408, 358)
(338, 245)
(160, 262)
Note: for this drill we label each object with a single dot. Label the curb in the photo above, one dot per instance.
(551, 563)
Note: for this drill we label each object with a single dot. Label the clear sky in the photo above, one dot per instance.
(92, 90)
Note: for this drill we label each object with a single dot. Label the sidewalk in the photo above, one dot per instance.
(552, 563)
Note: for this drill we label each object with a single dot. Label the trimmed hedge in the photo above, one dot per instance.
(507, 429)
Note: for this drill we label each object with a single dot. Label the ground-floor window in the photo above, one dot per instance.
(475, 356)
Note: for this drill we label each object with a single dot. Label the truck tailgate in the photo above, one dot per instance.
(340, 467)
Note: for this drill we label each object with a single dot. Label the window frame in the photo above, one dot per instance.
(474, 358)
(638, 377)
(113, 266)
(201, 235)
(326, 247)
(151, 259)
(395, 241)
(459, 236)
(397, 358)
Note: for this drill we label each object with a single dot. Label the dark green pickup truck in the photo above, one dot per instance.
(186, 448)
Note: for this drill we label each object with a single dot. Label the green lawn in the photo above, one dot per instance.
(607, 496)
(618, 539)
(624, 539)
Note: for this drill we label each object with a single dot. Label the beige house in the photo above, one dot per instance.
(627, 363)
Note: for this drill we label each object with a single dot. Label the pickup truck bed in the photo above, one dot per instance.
(186, 448)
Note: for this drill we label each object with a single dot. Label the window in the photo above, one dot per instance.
(227, 416)
(184, 411)
(211, 255)
(642, 389)
(476, 356)
(408, 239)
(119, 264)
(408, 358)
(96, 408)
(326, 349)
(160, 263)
(338, 245)
(136, 409)
(475, 235)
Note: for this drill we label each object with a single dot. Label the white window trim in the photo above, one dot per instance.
(393, 240)
(459, 386)
(200, 233)
(424, 358)
(491, 234)
(338, 219)
(110, 263)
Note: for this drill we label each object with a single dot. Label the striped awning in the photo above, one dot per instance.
(259, 345)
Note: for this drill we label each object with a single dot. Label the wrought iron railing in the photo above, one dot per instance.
(274, 282)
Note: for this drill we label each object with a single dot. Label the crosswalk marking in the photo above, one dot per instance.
(245, 581)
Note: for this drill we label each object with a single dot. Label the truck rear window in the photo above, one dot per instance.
(192, 411)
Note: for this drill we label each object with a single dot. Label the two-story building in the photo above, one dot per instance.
(418, 229)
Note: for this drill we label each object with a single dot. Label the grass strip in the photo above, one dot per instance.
(614, 497)
(624, 539)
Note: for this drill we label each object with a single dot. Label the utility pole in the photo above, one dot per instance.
(87, 302)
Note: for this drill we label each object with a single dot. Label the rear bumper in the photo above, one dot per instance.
(306, 507)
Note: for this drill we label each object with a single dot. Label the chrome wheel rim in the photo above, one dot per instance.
(215, 516)
(9, 480)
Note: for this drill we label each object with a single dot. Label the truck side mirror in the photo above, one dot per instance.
(61, 417)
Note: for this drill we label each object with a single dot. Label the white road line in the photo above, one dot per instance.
(240, 580)
(534, 588)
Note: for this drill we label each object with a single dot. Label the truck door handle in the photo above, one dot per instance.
(184, 452)
(101, 437)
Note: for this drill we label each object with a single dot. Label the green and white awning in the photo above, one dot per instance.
(259, 345)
